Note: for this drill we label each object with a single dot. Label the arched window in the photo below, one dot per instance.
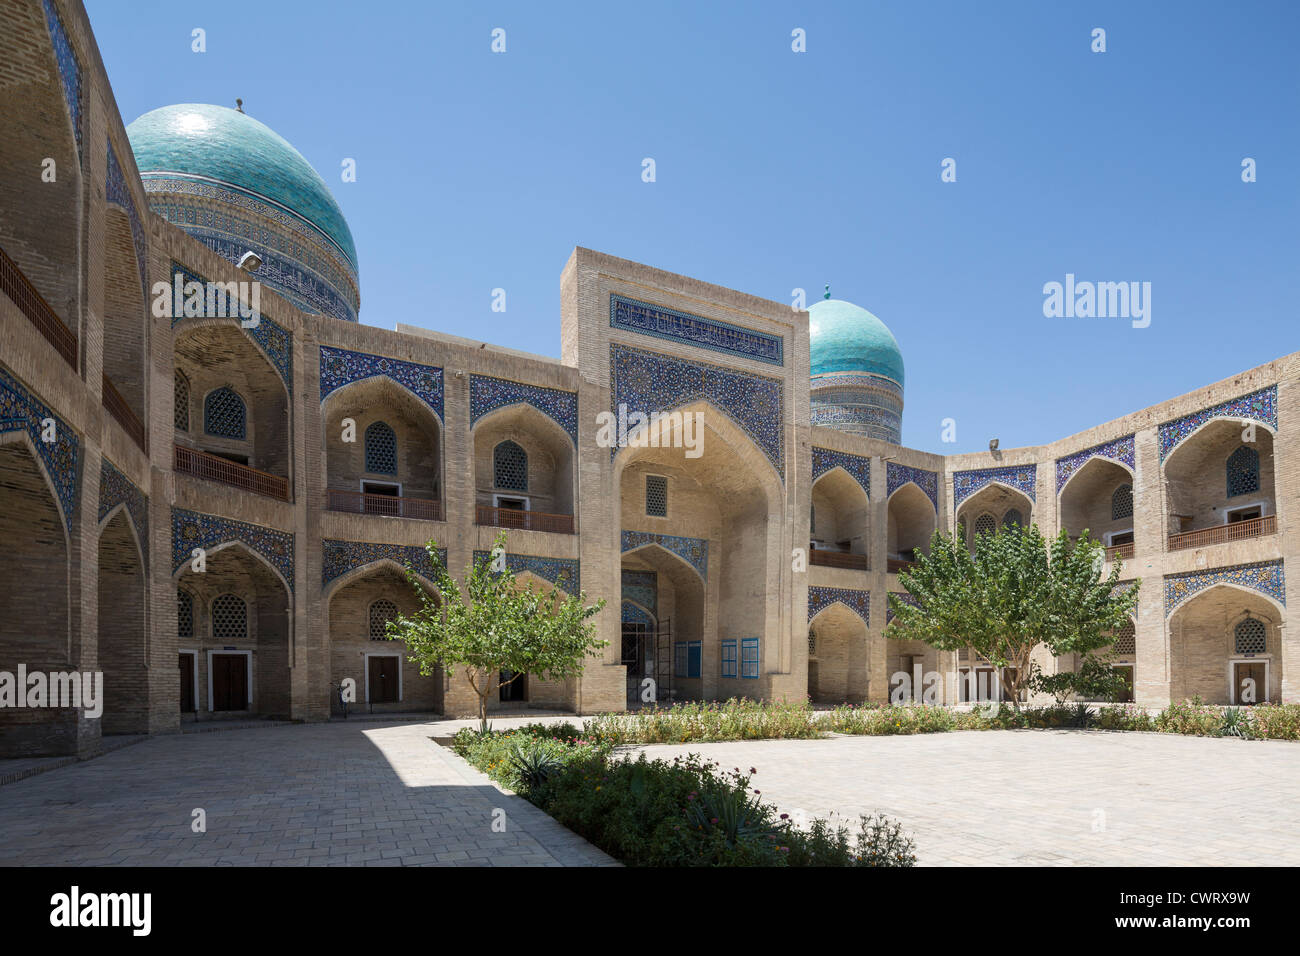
(985, 524)
(224, 413)
(812, 643)
(184, 613)
(229, 618)
(510, 467)
(1249, 636)
(381, 449)
(1012, 517)
(1243, 472)
(1126, 639)
(812, 519)
(1121, 503)
(181, 413)
(381, 612)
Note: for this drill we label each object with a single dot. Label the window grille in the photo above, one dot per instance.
(224, 413)
(1121, 503)
(656, 496)
(381, 612)
(1126, 639)
(1012, 517)
(728, 658)
(181, 400)
(1243, 472)
(510, 467)
(985, 524)
(749, 657)
(184, 614)
(381, 449)
(229, 618)
(1250, 636)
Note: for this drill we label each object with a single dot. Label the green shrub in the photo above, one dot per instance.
(1276, 721)
(735, 719)
(1190, 717)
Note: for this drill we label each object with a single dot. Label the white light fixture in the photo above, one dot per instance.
(250, 262)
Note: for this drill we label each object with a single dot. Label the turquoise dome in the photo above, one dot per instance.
(847, 338)
(230, 148)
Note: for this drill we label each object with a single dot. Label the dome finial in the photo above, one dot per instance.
(239, 104)
(828, 291)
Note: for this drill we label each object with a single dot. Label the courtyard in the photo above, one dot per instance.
(383, 793)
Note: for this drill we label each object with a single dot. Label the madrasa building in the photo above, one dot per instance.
(215, 512)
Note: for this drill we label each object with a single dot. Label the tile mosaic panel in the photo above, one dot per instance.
(1120, 450)
(694, 551)
(564, 573)
(1020, 477)
(1266, 577)
(643, 588)
(117, 192)
(897, 475)
(859, 602)
(69, 67)
(340, 557)
(635, 615)
(20, 410)
(339, 367)
(487, 394)
(1258, 406)
(116, 488)
(824, 459)
(192, 529)
(649, 382)
(717, 336)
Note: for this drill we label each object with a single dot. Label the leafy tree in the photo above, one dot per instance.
(1010, 595)
(496, 623)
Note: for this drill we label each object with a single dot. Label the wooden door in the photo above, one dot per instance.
(383, 680)
(229, 682)
(186, 668)
(1243, 673)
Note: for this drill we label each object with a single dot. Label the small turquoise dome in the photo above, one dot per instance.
(237, 186)
(847, 338)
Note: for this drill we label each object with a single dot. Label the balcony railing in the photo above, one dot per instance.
(200, 464)
(524, 520)
(117, 407)
(1236, 531)
(1122, 551)
(30, 302)
(838, 559)
(898, 564)
(361, 503)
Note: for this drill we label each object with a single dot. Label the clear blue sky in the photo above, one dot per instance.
(779, 170)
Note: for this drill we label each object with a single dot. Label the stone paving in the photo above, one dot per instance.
(1033, 798)
(355, 793)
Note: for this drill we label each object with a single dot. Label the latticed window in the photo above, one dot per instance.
(1121, 503)
(229, 618)
(1126, 639)
(184, 614)
(182, 401)
(381, 449)
(381, 612)
(812, 643)
(812, 519)
(1250, 636)
(224, 413)
(1012, 517)
(985, 524)
(510, 467)
(1243, 472)
(656, 496)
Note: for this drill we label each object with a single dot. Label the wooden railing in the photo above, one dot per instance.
(117, 407)
(30, 302)
(200, 464)
(362, 503)
(1123, 551)
(896, 565)
(524, 520)
(1236, 531)
(837, 559)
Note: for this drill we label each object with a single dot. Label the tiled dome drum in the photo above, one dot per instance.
(857, 372)
(237, 186)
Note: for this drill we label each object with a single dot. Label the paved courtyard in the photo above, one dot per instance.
(363, 793)
(1031, 798)
(382, 793)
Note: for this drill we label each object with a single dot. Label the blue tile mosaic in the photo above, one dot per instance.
(1120, 450)
(1266, 577)
(902, 596)
(341, 557)
(116, 488)
(694, 551)
(897, 475)
(272, 338)
(1258, 406)
(824, 459)
(564, 573)
(648, 382)
(632, 614)
(339, 367)
(20, 410)
(487, 394)
(117, 192)
(192, 529)
(69, 67)
(642, 587)
(859, 602)
(1021, 477)
(857, 403)
(717, 336)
